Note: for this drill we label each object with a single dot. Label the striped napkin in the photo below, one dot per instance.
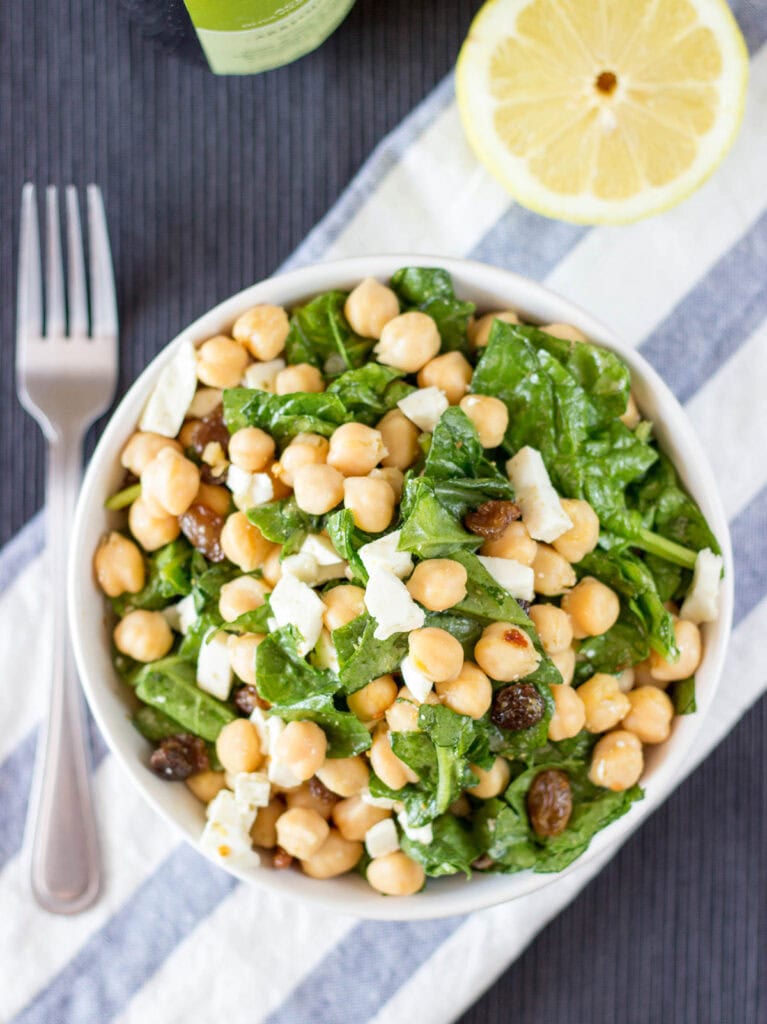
(173, 934)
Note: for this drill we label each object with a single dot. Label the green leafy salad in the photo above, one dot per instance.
(403, 589)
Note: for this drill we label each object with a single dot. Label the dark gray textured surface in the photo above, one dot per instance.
(210, 183)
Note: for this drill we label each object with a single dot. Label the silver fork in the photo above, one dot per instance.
(66, 377)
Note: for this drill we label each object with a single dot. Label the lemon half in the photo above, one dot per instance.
(602, 111)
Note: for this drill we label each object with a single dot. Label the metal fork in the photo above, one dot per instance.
(66, 377)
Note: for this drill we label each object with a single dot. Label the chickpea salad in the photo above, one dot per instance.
(401, 588)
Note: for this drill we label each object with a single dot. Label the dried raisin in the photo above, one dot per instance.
(179, 756)
(491, 518)
(516, 707)
(202, 527)
(549, 802)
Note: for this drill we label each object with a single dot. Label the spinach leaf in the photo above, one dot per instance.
(453, 848)
(683, 696)
(320, 334)
(169, 685)
(347, 540)
(283, 416)
(282, 676)
(503, 835)
(623, 645)
(345, 733)
(369, 392)
(430, 290)
(168, 576)
(429, 529)
(154, 725)
(361, 657)
(670, 512)
(283, 522)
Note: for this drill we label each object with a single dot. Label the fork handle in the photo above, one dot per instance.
(65, 855)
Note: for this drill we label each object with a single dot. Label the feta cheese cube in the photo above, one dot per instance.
(187, 613)
(315, 562)
(281, 775)
(226, 835)
(424, 407)
(249, 490)
(542, 511)
(702, 601)
(170, 614)
(293, 603)
(419, 684)
(513, 576)
(387, 599)
(251, 791)
(260, 721)
(214, 671)
(423, 834)
(167, 405)
(320, 547)
(261, 376)
(383, 554)
(379, 801)
(382, 838)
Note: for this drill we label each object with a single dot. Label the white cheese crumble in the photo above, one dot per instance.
(172, 395)
(251, 791)
(513, 576)
(383, 554)
(542, 511)
(316, 562)
(379, 801)
(226, 835)
(293, 603)
(187, 613)
(423, 834)
(387, 599)
(424, 407)
(702, 601)
(214, 670)
(249, 490)
(419, 684)
(382, 838)
(261, 376)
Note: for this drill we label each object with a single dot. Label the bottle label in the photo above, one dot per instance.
(242, 37)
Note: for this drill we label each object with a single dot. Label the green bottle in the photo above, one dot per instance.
(243, 37)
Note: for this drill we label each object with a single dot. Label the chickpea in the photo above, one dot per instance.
(301, 831)
(342, 604)
(353, 817)
(240, 595)
(438, 583)
(396, 875)
(300, 377)
(470, 693)
(491, 782)
(263, 330)
(303, 450)
(271, 568)
(251, 449)
(631, 416)
(243, 543)
(505, 652)
(369, 307)
(336, 856)
(393, 772)
(242, 655)
(355, 449)
(119, 566)
(592, 607)
(239, 747)
(264, 830)
(451, 372)
(402, 715)
(617, 762)
(303, 796)
(553, 573)
(206, 785)
(644, 677)
(489, 416)
(564, 331)
(553, 627)
(204, 402)
(221, 362)
(171, 481)
(152, 527)
(371, 702)
(582, 537)
(217, 499)
(569, 715)
(318, 489)
(142, 448)
(650, 715)
(565, 663)
(143, 636)
(690, 653)
(344, 776)
(436, 653)
(394, 477)
(408, 342)
(604, 703)
(302, 747)
(400, 438)
(626, 679)
(370, 501)
(515, 542)
(461, 807)
(479, 331)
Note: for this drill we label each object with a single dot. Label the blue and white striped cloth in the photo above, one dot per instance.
(171, 933)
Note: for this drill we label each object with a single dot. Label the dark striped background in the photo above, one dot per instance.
(209, 184)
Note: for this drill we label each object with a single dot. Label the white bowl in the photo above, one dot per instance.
(490, 288)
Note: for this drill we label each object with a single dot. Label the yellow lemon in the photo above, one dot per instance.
(602, 111)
